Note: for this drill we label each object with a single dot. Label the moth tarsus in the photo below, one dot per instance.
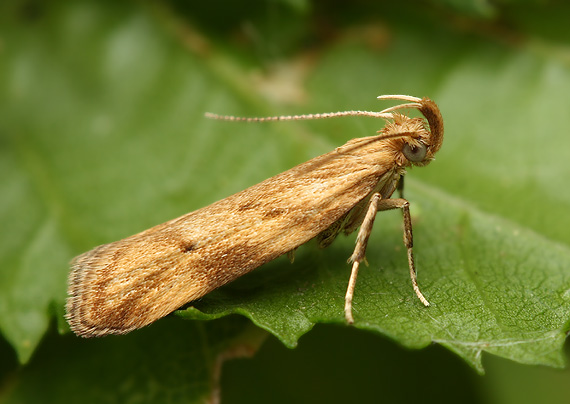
(118, 287)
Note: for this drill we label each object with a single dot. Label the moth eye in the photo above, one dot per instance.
(415, 153)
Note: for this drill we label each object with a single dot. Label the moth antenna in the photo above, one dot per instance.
(382, 114)
(415, 102)
(394, 135)
(402, 106)
(399, 97)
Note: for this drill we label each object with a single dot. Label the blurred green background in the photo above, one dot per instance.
(102, 135)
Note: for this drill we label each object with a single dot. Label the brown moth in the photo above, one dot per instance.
(118, 287)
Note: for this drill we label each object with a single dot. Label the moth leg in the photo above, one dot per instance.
(358, 255)
(291, 255)
(400, 187)
(378, 204)
(400, 203)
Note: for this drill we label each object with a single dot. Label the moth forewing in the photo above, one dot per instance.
(121, 286)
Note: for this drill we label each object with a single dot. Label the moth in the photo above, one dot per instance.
(118, 287)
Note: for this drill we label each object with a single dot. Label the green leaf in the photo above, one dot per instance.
(133, 368)
(102, 135)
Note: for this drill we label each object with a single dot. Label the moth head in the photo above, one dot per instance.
(415, 139)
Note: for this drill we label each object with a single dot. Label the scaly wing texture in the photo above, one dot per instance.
(125, 285)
